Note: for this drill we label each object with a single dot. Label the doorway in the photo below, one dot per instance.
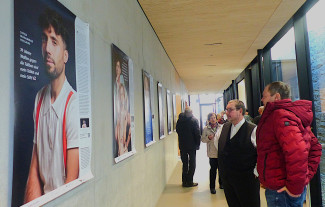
(205, 109)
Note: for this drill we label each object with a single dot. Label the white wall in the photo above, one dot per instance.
(140, 179)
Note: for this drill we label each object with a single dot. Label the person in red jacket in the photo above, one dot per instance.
(288, 153)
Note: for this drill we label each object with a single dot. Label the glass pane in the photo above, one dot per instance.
(206, 109)
(219, 103)
(242, 92)
(207, 98)
(195, 105)
(316, 35)
(284, 66)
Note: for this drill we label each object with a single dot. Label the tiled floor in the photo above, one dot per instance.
(175, 195)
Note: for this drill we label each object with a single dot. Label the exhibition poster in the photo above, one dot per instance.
(161, 110)
(148, 109)
(174, 112)
(123, 105)
(169, 111)
(52, 130)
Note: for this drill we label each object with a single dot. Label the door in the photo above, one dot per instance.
(205, 109)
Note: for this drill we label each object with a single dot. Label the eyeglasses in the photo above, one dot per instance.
(230, 109)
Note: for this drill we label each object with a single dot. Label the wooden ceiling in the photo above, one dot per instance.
(210, 42)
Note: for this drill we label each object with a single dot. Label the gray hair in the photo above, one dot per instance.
(188, 112)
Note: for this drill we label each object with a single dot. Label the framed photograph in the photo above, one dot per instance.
(174, 112)
(161, 110)
(147, 108)
(122, 74)
(169, 111)
(51, 53)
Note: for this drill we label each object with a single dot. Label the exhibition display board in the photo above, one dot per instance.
(123, 105)
(53, 126)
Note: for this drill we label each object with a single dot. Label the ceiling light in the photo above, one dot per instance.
(215, 43)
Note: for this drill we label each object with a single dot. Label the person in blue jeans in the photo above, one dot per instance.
(275, 199)
(288, 153)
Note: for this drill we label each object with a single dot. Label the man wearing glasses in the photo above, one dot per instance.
(237, 158)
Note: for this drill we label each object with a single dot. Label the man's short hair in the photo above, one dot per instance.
(239, 105)
(188, 112)
(49, 18)
(279, 87)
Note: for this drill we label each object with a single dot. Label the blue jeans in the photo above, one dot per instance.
(275, 199)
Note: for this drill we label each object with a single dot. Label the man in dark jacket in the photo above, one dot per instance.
(258, 117)
(237, 158)
(189, 139)
(288, 152)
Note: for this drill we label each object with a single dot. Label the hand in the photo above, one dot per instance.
(290, 194)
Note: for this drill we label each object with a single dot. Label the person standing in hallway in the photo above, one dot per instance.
(258, 117)
(222, 118)
(288, 152)
(237, 158)
(248, 117)
(187, 128)
(208, 137)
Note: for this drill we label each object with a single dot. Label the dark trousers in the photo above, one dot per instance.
(188, 158)
(241, 190)
(213, 173)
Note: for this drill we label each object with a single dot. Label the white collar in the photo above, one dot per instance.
(239, 124)
(57, 105)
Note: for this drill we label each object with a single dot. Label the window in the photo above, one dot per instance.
(316, 35)
(195, 105)
(207, 98)
(284, 66)
(242, 92)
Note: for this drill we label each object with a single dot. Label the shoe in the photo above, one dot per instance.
(193, 184)
(221, 186)
(213, 191)
(188, 185)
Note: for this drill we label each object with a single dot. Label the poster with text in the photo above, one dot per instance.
(52, 130)
(147, 108)
(122, 73)
(161, 110)
(169, 111)
(174, 112)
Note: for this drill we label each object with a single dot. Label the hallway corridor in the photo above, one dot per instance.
(175, 195)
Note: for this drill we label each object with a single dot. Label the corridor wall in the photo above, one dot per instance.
(140, 179)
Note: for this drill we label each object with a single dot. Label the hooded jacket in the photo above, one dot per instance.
(288, 153)
(188, 131)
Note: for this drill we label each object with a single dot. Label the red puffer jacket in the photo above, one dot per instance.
(288, 153)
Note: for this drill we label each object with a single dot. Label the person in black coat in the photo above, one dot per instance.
(237, 157)
(257, 118)
(187, 128)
